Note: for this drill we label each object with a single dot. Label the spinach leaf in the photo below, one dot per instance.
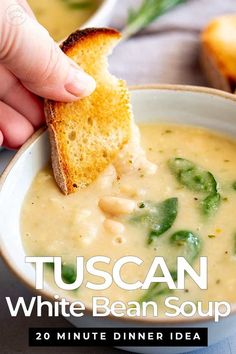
(50, 265)
(155, 290)
(189, 241)
(158, 289)
(192, 245)
(68, 272)
(211, 203)
(192, 176)
(198, 180)
(234, 185)
(156, 217)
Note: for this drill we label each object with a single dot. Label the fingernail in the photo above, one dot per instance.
(79, 83)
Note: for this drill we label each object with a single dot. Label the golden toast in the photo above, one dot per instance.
(218, 42)
(86, 135)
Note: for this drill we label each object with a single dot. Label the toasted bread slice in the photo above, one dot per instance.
(218, 42)
(86, 135)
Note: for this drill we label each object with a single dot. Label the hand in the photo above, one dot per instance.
(31, 65)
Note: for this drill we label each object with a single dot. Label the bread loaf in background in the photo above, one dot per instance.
(218, 52)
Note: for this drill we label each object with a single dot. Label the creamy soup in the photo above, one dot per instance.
(61, 17)
(175, 196)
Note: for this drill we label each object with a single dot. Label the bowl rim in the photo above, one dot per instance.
(105, 6)
(88, 311)
(103, 9)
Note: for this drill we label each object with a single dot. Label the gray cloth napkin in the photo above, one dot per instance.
(168, 50)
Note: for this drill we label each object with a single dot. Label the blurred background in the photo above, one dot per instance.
(165, 50)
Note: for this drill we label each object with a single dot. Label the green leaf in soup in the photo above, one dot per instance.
(211, 204)
(198, 180)
(182, 239)
(234, 185)
(192, 176)
(68, 272)
(155, 290)
(158, 289)
(49, 265)
(179, 165)
(156, 217)
(189, 241)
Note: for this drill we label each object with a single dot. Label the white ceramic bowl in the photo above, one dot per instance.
(101, 17)
(178, 104)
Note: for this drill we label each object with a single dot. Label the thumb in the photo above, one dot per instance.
(28, 51)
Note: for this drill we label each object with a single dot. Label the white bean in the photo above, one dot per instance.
(128, 190)
(116, 206)
(107, 177)
(148, 167)
(113, 226)
(132, 191)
